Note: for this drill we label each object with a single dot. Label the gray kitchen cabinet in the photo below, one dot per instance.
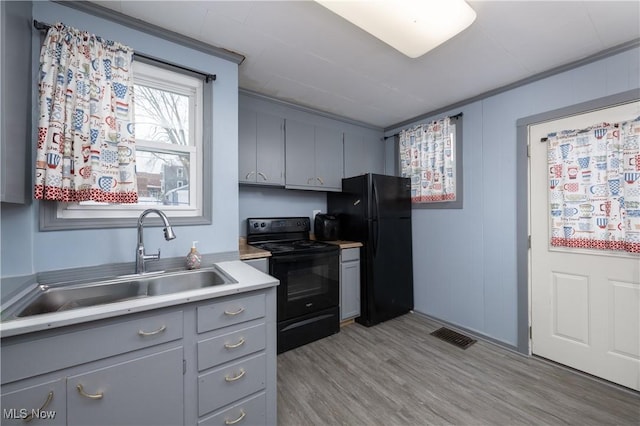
(363, 154)
(15, 100)
(314, 157)
(236, 360)
(261, 148)
(105, 374)
(349, 283)
(199, 362)
(39, 403)
(144, 391)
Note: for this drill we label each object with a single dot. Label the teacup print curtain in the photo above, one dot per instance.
(594, 187)
(86, 140)
(427, 157)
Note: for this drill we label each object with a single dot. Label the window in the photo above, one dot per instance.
(430, 155)
(170, 109)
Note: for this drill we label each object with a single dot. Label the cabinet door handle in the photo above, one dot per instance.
(235, 345)
(152, 333)
(234, 378)
(249, 174)
(86, 395)
(320, 180)
(239, 311)
(44, 406)
(233, 422)
(263, 176)
(309, 180)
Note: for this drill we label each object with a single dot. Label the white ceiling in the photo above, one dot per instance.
(301, 52)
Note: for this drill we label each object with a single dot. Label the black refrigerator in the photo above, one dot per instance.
(376, 210)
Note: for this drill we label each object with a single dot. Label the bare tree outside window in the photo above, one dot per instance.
(162, 117)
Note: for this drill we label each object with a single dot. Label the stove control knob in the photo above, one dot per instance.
(262, 225)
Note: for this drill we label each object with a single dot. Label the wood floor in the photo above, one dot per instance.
(397, 374)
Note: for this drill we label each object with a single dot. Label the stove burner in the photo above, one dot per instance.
(294, 246)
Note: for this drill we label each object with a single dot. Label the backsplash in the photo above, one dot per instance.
(277, 202)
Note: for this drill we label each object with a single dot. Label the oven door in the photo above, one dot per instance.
(308, 282)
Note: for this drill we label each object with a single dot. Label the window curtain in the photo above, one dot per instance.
(427, 156)
(86, 139)
(594, 187)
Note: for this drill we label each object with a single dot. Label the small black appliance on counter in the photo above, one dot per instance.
(326, 227)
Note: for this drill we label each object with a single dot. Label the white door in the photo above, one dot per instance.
(585, 304)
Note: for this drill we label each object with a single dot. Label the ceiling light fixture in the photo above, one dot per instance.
(412, 27)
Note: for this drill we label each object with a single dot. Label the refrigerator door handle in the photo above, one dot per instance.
(375, 219)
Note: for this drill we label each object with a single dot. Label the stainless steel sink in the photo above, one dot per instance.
(65, 297)
(184, 282)
(56, 299)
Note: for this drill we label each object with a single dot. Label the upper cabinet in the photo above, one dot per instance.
(15, 99)
(260, 148)
(283, 144)
(314, 156)
(363, 153)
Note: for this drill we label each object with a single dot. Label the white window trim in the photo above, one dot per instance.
(170, 81)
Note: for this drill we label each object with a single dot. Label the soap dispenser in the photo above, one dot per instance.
(193, 258)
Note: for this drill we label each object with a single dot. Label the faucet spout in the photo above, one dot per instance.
(141, 256)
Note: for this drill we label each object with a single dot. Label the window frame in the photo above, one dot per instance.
(125, 216)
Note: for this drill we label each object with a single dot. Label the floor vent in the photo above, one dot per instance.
(453, 337)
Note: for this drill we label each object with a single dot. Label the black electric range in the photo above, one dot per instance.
(309, 273)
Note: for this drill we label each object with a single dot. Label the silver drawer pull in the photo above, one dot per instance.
(262, 175)
(239, 419)
(235, 345)
(44, 406)
(309, 180)
(152, 333)
(239, 311)
(234, 378)
(248, 174)
(87, 395)
(320, 180)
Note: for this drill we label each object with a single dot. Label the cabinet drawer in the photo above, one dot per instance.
(252, 411)
(350, 254)
(229, 311)
(229, 346)
(85, 344)
(43, 403)
(231, 383)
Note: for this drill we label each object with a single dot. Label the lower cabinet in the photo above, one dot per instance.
(144, 391)
(208, 362)
(349, 283)
(34, 403)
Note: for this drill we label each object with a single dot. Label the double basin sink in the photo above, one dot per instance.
(46, 299)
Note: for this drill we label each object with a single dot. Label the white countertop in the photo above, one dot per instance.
(247, 279)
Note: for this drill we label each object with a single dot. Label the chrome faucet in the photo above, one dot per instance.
(141, 256)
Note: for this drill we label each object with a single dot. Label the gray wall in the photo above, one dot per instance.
(465, 270)
(256, 201)
(26, 250)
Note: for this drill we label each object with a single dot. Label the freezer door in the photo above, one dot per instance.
(390, 197)
(351, 207)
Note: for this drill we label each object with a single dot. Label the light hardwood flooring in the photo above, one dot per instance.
(397, 374)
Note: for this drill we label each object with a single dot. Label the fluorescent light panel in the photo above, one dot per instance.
(412, 27)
